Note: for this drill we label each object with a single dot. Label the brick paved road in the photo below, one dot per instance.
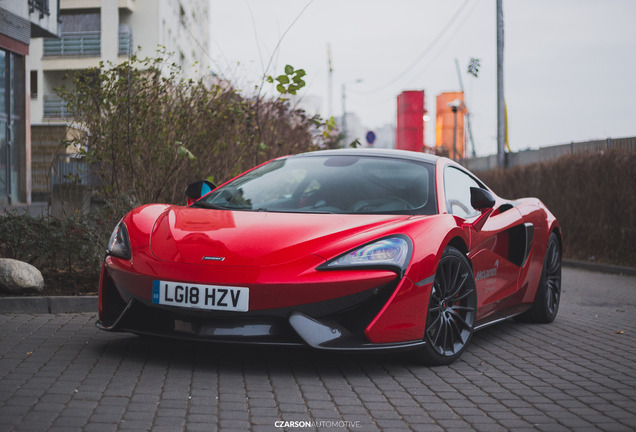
(59, 373)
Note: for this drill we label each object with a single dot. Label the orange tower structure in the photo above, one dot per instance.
(449, 125)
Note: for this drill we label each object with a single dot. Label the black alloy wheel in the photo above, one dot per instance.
(451, 310)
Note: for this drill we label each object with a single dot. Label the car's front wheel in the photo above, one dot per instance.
(451, 310)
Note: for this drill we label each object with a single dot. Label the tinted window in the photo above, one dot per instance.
(332, 184)
(80, 22)
(457, 186)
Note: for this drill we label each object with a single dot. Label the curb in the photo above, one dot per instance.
(82, 304)
(600, 268)
(46, 305)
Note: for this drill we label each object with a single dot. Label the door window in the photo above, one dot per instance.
(457, 186)
(4, 116)
(11, 108)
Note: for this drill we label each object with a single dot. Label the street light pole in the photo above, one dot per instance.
(501, 110)
(454, 106)
(329, 84)
(454, 134)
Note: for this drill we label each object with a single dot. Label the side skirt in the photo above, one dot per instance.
(504, 315)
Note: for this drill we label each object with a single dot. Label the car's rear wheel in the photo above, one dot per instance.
(546, 302)
(451, 310)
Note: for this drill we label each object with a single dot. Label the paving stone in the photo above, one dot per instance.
(564, 376)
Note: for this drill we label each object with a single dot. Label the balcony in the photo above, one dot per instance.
(84, 44)
(55, 108)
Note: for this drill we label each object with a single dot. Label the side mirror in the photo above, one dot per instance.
(197, 189)
(481, 199)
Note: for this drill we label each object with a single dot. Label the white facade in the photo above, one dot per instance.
(353, 129)
(384, 135)
(109, 31)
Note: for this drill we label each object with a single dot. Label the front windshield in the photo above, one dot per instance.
(331, 184)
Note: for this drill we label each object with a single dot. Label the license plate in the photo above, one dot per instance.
(200, 296)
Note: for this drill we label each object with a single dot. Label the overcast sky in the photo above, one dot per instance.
(569, 72)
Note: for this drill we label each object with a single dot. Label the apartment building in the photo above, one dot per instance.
(104, 30)
(21, 23)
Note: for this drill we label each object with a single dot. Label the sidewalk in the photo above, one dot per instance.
(59, 373)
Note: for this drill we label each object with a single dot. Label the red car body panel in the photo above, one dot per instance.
(281, 258)
(185, 235)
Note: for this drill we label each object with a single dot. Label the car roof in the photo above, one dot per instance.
(391, 153)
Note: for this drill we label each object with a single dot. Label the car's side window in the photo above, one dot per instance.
(457, 186)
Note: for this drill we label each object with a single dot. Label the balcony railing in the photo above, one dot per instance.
(55, 107)
(84, 44)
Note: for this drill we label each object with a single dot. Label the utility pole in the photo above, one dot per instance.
(501, 109)
(454, 106)
(344, 111)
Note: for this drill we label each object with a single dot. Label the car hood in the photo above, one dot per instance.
(244, 238)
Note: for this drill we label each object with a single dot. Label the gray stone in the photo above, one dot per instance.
(17, 277)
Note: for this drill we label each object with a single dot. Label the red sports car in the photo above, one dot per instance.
(338, 250)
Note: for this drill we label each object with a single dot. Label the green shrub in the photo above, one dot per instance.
(149, 132)
(68, 251)
(592, 194)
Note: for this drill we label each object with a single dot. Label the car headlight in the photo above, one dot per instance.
(119, 243)
(391, 252)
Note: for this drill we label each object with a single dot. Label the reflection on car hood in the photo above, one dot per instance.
(240, 238)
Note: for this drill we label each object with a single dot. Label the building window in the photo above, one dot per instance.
(41, 5)
(80, 22)
(34, 84)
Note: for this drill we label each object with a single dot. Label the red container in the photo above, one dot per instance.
(410, 121)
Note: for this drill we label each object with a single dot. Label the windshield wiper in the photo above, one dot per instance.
(263, 209)
(312, 211)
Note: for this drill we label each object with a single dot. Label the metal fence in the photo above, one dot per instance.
(542, 154)
(69, 185)
(69, 169)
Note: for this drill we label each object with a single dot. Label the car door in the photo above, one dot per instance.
(489, 249)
